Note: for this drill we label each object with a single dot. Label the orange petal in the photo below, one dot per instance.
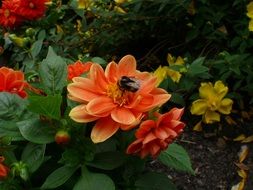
(134, 147)
(85, 90)
(79, 114)
(104, 129)
(161, 133)
(100, 106)
(145, 128)
(98, 76)
(111, 72)
(127, 66)
(148, 86)
(173, 114)
(150, 137)
(123, 116)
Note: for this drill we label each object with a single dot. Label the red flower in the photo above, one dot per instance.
(155, 136)
(12, 81)
(4, 170)
(8, 16)
(32, 9)
(78, 68)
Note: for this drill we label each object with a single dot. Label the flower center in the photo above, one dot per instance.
(7, 13)
(120, 97)
(31, 5)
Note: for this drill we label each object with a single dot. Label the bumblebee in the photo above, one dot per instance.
(129, 84)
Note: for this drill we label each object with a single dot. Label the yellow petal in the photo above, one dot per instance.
(161, 74)
(243, 153)
(225, 106)
(174, 75)
(198, 107)
(239, 138)
(170, 59)
(83, 4)
(220, 89)
(251, 25)
(179, 61)
(242, 174)
(239, 186)
(248, 139)
(119, 10)
(250, 10)
(206, 90)
(198, 127)
(211, 117)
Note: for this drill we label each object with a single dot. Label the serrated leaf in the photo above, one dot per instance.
(58, 177)
(53, 73)
(176, 157)
(36, 131)
(33, 156)
(154, 181)
(49, 106)
(108, 160)
(94, 181)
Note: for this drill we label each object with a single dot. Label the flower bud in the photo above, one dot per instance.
(30, 32)
(62, 137)
(20, 169)
(20, 42)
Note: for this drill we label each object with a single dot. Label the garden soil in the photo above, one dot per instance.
(213, 160)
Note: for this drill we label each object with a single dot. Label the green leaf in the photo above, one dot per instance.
(53, 73)
(58, 177)
(33, 156)
(46, 105)
(36, 47)
(197, 68)
(10, 129)
(176, 157)
(154, 181)
(99, 60)
(108, 160)
(94, 181)
(11, 106)
(36, 131)
(177, 99)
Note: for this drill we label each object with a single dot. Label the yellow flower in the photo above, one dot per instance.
(212, 102)
(163, 72)
(174, 61)
(251, 25)
(250, 10)
(121, 1)
(84, 4)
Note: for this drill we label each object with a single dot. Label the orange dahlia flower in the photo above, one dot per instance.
(78, 68)
(12, 81)
(32, 9)
(154, 136)
(114, 107)
(4, 170)
(8, 16)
